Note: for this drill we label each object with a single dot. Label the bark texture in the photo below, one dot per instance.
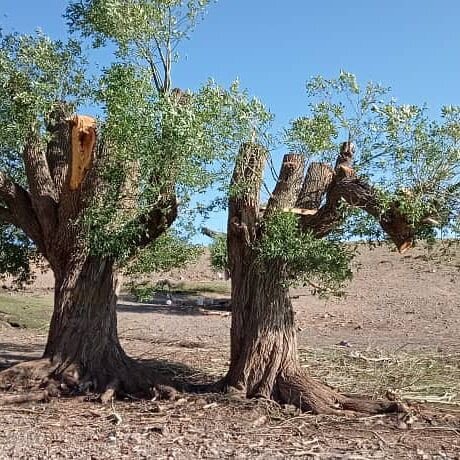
(264, 361)
(83, 350)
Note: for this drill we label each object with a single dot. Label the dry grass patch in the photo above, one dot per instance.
(419, 376)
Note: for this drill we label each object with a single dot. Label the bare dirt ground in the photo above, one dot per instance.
(396, 330)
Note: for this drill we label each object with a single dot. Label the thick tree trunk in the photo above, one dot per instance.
(83, 351)
(264, 361)
(262, 333)
(83, 330)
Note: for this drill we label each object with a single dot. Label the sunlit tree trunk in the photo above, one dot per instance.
(83, 349)
(264, 360)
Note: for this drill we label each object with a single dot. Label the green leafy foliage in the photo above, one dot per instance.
(35, 72)
(159, 141)
(305, 257)
(16, 254)
(187, 145)
(412, 160)
(167, 252)
(143, 31)
(127, 21)
(219, 253)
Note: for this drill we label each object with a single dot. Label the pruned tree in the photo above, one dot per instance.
(290, 239)
(89, 194)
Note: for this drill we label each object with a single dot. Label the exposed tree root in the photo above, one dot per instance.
(43, 379)
(295, 387)
(40, 396)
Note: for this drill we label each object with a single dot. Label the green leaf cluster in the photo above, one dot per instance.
(160, 143)
(35, 73)
(167, 252)
(412, 159)
(219, 253)
(304, 257)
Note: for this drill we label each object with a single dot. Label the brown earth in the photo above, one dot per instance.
(399, 310)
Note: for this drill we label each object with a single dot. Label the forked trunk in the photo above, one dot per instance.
(264, 359)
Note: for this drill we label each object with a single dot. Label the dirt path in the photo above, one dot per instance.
(395, 304)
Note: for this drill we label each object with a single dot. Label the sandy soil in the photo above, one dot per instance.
(395, 302)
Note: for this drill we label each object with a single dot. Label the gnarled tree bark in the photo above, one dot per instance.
(264, 361)
(83, 350)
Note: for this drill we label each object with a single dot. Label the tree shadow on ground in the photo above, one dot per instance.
(12, 353)
(182, 377)
(181, 304)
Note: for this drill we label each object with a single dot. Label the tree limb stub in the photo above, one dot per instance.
(357, 193)
(244, 202)
(289, 183)
(315, 185)
(83, 142)
(245, 186)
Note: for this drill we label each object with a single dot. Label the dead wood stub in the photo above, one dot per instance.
(83, 142)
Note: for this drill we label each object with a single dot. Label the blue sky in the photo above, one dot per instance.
(273, 47)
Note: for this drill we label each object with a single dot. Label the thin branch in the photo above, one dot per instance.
(162, 57)
(145, 53)
(168, 54)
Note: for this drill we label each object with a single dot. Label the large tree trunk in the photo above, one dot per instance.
(83, 331)
(262, 333)
(83, 351)
(264, 360)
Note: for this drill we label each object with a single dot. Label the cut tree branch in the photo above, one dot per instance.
(244, 201)
(315, 185)
(289, 183)
(345, 186)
